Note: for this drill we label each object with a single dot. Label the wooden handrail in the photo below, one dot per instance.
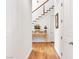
(40, 6)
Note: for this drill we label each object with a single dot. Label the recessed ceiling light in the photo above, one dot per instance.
(37, 1)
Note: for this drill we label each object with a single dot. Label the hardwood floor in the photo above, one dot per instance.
(43, 50)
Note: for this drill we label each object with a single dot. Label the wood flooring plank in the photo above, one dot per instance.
(43, 50)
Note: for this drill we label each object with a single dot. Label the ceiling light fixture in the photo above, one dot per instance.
(37, 1)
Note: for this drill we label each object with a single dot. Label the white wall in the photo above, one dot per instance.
(19, 39)
(67, 29)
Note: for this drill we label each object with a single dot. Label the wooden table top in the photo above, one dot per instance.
(37, 34)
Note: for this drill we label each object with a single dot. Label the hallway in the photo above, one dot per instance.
(43, 50)
(45, 33)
